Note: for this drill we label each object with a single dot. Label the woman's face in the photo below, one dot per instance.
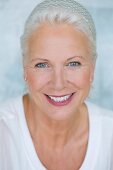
(59, 70)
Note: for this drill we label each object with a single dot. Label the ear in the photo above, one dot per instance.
(92, 72)
(25, 74)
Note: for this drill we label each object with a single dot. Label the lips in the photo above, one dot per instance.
(59, 100)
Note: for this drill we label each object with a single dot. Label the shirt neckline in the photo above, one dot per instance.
(94, 140)
(28, 145)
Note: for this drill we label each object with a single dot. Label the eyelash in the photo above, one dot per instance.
(74, 64)
(41, 65)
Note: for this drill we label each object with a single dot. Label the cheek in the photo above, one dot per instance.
(36, 81)
(81, 78)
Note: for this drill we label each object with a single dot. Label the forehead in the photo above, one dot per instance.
(54, 40)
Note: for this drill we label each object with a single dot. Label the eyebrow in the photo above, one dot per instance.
(75, 57)
(39, 59)
(45, 60)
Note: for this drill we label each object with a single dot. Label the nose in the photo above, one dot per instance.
(59, 79)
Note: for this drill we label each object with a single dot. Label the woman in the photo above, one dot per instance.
(53, 126)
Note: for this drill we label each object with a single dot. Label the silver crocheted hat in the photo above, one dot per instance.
(69, 6)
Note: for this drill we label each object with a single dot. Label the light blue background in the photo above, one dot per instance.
(13, 14)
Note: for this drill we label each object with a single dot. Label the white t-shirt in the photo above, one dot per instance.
(17, 151)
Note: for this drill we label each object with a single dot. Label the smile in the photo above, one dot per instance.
(59, 100)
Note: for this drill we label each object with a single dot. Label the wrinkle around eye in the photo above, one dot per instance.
(74, 64)
(41, 65)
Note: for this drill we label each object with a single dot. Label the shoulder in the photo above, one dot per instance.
(9, 108)
(101, 126)
(104, 116)
(99, 111)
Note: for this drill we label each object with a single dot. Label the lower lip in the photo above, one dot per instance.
(63, 103)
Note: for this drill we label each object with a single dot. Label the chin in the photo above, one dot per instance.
(60, 114)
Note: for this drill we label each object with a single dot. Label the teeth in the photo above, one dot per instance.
(60, 99)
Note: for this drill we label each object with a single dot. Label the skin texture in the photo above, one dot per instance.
(58, 63)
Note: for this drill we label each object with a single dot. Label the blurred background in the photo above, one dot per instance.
(13, 14)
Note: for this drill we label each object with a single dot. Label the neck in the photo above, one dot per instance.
(55, 133)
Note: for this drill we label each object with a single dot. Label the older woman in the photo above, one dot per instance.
(53, 126)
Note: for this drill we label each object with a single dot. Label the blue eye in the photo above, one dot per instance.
(41, 65)
(74, 64)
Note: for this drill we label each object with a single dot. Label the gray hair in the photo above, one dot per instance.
(60, 11)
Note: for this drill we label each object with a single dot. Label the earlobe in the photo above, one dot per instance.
(91, 77)
(91, 80)
(92, 74)
(25, 78)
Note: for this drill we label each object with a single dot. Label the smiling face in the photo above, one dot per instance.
(59, 70)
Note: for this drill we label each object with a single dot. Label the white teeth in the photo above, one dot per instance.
(60, 99)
